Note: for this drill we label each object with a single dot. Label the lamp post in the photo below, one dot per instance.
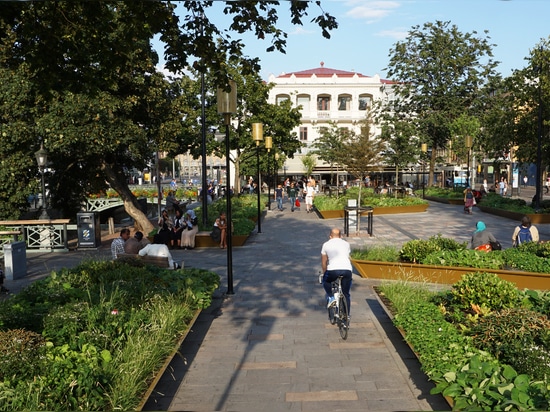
(258, 136)
(268, 146)
(424, 149)
(468, 146)
(42, 159)
(227, 105)
(538, 182)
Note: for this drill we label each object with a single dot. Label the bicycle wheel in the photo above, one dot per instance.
(343, 322)
(332, 314)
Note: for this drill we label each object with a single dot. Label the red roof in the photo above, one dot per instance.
(322, 72)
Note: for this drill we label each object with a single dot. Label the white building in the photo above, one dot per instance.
(326, 95)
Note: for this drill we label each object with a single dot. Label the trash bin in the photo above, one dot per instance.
(15, 260)
(89, 230)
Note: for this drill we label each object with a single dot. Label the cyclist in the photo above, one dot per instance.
(335, 261)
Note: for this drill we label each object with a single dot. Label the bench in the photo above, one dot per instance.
(159, 261)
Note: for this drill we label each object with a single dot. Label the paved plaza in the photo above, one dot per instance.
(269, 346)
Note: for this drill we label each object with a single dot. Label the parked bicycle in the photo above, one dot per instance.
(338, 313)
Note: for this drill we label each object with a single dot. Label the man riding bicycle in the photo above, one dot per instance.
(335, 262)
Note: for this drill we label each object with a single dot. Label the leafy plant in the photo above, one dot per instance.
(518, 337)
(465, 258)
(486, 289)
(417, 250)
(377, 253)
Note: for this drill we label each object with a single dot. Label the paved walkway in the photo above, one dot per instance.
(270, 345)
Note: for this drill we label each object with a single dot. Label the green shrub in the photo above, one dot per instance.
(416, 250)
(377, 253)
(465, 258)
(484, 289)
(525, 258)
(518, 337)
(20, 352)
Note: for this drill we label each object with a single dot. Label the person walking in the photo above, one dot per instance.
(117, 246)
(310, 193)
(469, 200)
(525, 232)
(335, 262)
(502, 186)
(292, 193)
(279, 193)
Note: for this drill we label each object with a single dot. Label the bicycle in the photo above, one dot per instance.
(339, 312)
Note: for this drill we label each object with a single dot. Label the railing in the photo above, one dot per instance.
(40, 235)
(104, 203)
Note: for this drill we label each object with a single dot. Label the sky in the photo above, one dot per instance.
(368, 29)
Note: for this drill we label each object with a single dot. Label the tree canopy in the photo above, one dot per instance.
(439, 73)
(81, 77)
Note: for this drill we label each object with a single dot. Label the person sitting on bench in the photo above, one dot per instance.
(159, 250)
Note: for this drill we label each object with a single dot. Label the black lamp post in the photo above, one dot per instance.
(42, 160)
(258, 136)
(468, 146)
(538, 183)
(227, 105)
(268, 146)
(424, 149)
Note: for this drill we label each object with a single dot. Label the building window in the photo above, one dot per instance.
(344, 102)
(303, 133)
(304, 102)
(364, 101)
(323, 103)
(281, 98)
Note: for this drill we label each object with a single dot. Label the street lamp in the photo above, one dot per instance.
(227, 105)
(42, 159)
(268, 146)
(258, 136)
(468, 146)
(424, 149)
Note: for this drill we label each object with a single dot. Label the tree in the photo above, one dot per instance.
(329, 145)
(309, 160)
(93, 93)
(362, 153)
(438, 73)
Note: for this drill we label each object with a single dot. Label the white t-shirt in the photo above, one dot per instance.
(154, 249)
(337, 251)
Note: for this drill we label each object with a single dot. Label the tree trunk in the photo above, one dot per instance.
(431, 168)
(117, 180)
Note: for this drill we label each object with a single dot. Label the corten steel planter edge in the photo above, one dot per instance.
(335, 214)
(536, 218)
(444, 274)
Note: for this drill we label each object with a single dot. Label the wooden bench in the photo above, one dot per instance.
(159, 261)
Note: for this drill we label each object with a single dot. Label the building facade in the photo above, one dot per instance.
(326, 95)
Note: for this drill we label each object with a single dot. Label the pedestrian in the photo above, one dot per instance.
(469, 200)
(547, 185)
(279, 193)
(292, 193)
(335, 262)
(310, 193)
(502, 186)
(172, 204)
(191, 229)
(525, 232)
(482, 239)
(117, 246)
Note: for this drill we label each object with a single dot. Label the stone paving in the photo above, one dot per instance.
(269, 346)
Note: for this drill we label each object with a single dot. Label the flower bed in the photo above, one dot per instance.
(92, 337)
(483, 342)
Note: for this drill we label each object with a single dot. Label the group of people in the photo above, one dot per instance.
(483, 239)
(292, 191)
(179, 231)
(140, 245)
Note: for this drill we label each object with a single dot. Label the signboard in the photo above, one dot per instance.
(515, 178)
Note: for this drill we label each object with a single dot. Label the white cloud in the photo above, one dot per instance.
(397, 34)
(371, 10)
(300, 31)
